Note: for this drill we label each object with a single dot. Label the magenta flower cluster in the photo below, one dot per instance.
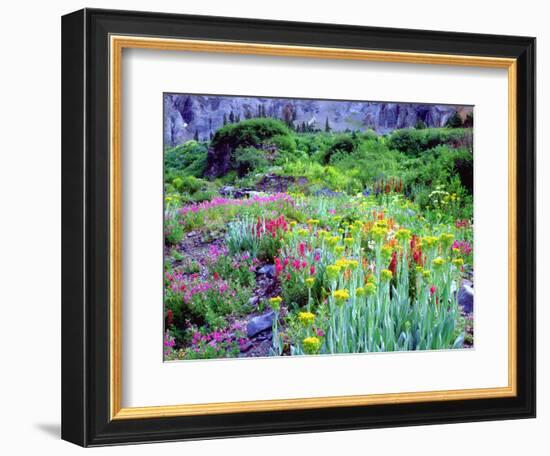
(216, 202)
(464, 247)
(219, 338)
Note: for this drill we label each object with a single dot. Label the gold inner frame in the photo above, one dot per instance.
(117, 44)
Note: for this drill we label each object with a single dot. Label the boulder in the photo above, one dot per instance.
(259, 323)
(466, 297)
(268, 270)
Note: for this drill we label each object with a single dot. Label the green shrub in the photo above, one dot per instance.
(204, 195)
(173, 231)
(250, 132)
(343, 144)
(236, 269)
(187, 184)
(248, 159)
(213, 305)
(186, 159)
(413, 142)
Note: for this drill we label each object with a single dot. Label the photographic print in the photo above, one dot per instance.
(316, 227)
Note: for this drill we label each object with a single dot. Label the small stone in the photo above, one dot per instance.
(191, 234)
(226, 190)
(259, 323)
(253, 300)
(268, 270)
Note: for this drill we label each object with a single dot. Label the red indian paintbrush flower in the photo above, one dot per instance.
(393, 263)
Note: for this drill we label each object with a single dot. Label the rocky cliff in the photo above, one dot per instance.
(189, 116)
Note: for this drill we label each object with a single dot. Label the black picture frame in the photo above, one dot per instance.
(85, 227)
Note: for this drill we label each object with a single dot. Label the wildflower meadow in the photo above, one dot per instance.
(285, 236)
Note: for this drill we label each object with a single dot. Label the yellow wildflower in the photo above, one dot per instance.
(339, 249)
(312, 345)
(360, 291)
(332, 271)
(370, 288)
(381, 224)
(458, 262)
(386, 252)
(430, 241)
(378, 233)
(312, 222)
(403, 234)
(302, 232)
(348, 241)
(275, 303)
(446, 240)
(386, 274)
(438, 262)
(333, 240)
(306, 318)
(310, 281)
(341, 296)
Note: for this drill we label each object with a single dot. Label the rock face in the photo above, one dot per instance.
(260, 323)
(218, 160)
(187, 116)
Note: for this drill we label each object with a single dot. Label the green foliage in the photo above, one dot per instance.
(188, 159)
(248, 159)
(186, 184)
(173, 231)
(343, 143)
(211, 306)
(268, 248)
(242, 236)
(226, 349)
(235, 269)
(413, 142)
(294, 293)
(249, 133)
(420, 125)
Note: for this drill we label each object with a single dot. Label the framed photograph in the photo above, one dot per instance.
(278, 227)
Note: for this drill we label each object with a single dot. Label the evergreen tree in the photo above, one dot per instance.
(231, 117)
(327, 126)
(196, 137)
(420, 125)
(224, 119)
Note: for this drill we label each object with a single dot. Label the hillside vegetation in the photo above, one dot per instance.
(287, 241)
